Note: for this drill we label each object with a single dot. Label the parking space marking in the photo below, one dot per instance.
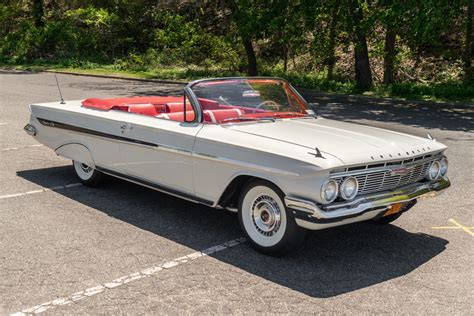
(469, 230)
(3, 124)
(78, 296)
(56, 188)
(23, 147)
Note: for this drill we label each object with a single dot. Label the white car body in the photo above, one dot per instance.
(200, 162)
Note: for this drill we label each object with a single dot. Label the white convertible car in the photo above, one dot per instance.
(248, 145)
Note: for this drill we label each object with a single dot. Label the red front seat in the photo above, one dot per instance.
(218, 116)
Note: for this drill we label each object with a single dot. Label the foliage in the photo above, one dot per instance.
(311, 42)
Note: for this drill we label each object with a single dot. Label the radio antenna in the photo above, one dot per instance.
(59, 89)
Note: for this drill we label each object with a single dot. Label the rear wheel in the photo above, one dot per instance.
(86, 174)
(265, 220)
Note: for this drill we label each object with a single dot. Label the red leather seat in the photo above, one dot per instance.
(146, 109)
(107, 104)
(207, 104)
(218, 116)
(177, 116)
(173, 107)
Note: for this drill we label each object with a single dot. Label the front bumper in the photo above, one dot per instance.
(312, 212)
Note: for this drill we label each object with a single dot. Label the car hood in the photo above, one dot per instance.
(351, 143)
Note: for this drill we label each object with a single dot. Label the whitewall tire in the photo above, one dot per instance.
(267, 224)
(86, 174)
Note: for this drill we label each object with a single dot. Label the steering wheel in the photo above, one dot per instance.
(269, 103)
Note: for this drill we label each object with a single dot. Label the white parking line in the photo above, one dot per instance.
(23, 147)
(3, 124)
(127, 279)
(56, 188)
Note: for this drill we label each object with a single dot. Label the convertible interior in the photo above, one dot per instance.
(171, 108)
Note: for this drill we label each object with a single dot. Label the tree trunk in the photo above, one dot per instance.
(251, 60)
(285, 59)
(37, 12)
(389, 57)
(332, 43)
(363, 74)
(468, 72)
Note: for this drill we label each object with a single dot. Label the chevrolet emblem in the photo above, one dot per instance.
(401, 171)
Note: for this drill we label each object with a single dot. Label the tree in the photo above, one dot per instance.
(391, 14)
(245, 15)
(37, 12)
(331, 60)
(363, 74)
(468, 72)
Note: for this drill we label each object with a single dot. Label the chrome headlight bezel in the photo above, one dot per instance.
(345, 183)
(434, 164)
(443, 168)
(325, 185)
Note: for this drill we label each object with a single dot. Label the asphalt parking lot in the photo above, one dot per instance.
(124, 248)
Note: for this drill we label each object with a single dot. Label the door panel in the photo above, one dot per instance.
(162, 153)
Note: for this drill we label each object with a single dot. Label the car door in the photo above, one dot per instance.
(161, 153)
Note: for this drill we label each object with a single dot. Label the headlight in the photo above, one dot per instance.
(329, 191)
(443, 169)
(349, 188)
(433, 171)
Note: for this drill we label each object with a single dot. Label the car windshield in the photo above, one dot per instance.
(231, 100)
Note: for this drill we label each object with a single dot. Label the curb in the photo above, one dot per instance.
(114, 77)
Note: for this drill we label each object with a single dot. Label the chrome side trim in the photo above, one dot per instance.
(156, 186)
(173, 149)
(342, 210)
(244, 164)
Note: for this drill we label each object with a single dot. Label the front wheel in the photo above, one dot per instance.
(86, 174)
(269, 227)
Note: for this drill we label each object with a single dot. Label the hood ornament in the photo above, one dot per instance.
(317, 154)
(430, 137)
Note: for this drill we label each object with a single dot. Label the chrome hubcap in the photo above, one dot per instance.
(86, 168)
(266, 215)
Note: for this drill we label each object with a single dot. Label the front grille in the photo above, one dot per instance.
(383, 180)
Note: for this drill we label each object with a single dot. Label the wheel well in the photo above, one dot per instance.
(230, 197)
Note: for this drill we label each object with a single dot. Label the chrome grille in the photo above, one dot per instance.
(382, 179)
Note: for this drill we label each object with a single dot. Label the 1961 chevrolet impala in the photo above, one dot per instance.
(248, 145)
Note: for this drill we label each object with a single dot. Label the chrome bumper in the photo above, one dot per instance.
(30, 129)
(342, 210)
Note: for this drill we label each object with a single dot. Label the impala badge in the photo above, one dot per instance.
(401, 171)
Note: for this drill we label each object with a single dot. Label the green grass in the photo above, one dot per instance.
(447, 91)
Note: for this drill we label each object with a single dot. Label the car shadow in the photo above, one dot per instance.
(330, 263)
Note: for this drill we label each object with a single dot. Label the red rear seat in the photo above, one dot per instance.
(146, 109)
(177, 116)
(173, 107)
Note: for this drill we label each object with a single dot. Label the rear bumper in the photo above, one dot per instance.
(305, 210)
